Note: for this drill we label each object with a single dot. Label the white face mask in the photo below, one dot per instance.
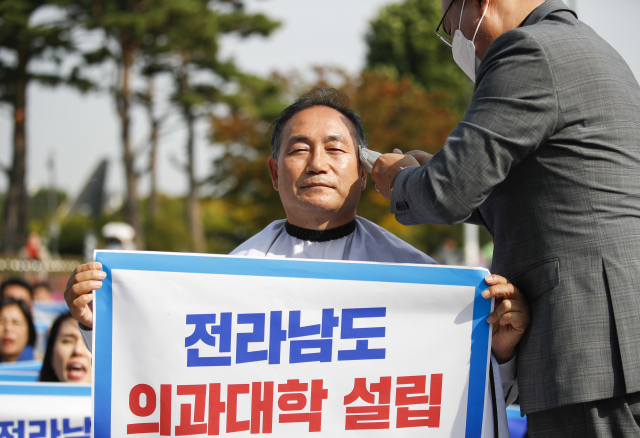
(464, 51)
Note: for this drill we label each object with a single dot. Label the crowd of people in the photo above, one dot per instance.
(66, 358)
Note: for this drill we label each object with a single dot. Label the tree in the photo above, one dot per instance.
(240, 175)
(26, 44)
(147, 99)
(126, 26)
(401, 114)
(179, 37)
(200, 79)
(401, 42)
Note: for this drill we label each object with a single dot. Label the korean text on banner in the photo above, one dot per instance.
(212, 345)
(59, 410)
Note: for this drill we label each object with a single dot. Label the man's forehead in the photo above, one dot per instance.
(319, 120)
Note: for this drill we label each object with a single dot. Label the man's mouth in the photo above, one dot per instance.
(7, 342)
(315, 184)
(76, 371)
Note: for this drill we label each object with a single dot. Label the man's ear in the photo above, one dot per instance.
(484, 4)
(273, 170)
(363, 178)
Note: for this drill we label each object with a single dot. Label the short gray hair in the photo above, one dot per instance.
(319, 96)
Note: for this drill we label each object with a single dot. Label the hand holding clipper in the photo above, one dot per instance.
(368, 158)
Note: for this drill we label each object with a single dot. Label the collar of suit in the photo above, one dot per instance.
(544, 10)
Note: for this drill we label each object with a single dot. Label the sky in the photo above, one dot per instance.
(80, 130)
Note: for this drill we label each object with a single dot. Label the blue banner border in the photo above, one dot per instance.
(295, 268)
(53, 389)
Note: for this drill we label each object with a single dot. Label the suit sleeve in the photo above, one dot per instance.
(507, 373)
(87, 336)
(500, 409)
(475, 219)
(514, 110)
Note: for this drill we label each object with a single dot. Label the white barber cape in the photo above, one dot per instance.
(362, 240)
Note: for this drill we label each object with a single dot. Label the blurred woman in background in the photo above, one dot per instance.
(66, 358)
(17, 332)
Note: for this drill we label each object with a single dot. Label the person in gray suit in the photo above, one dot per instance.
(547, 158)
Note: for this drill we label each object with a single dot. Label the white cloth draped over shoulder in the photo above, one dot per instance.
(366, 242)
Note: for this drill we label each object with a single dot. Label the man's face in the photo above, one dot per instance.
(470, 17)
(18, 292)
(492, 26)
(318, 173)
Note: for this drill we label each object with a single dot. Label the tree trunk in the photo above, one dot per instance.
(123, 97)
(198, 242)
(193, 206)
(153, 152)
(14, 231)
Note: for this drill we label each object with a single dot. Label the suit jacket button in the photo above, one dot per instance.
(402, 205)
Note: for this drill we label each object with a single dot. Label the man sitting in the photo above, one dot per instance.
(314, 166)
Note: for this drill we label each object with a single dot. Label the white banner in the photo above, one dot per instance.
(211, 345)
(45, 410)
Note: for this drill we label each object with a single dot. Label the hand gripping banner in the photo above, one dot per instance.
(217, 345)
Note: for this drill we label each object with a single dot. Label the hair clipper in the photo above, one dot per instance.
(368, 158)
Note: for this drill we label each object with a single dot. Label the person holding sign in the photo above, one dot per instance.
(314, 166)
(547, 158)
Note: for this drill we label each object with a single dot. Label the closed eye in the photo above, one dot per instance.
(298, 149)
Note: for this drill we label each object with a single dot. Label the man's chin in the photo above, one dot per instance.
(325, 206)
(316, 206)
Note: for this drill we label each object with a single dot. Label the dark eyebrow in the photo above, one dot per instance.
(332, 137)
(304, 139)
(298, 139)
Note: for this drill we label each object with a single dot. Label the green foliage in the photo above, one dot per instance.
(191, 53)
(410, 97)
(226, 224)
(240, 174)
(39, 216)
(72, 234)
(168, 230)
(402, 42)
(175, 37)
(401, 114)
(25, 42)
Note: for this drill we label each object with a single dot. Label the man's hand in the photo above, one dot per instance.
(385, 168)
(79, 292)
(510, 317)
(421, 156)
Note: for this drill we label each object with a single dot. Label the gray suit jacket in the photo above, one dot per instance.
(548, 159)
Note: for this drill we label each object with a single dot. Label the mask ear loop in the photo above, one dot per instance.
(460, 22)
(481, 18)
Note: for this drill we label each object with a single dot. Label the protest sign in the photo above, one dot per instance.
(21, 371)
(48, 410)
(212, 345)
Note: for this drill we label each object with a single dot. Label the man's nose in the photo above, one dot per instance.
(318, 161)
